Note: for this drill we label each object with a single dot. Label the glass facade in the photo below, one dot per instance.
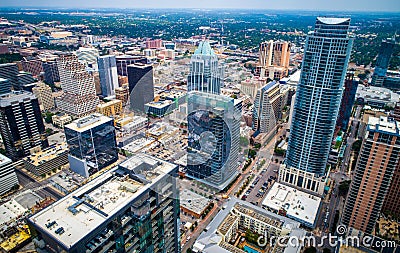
(319, 94)
(382, 62)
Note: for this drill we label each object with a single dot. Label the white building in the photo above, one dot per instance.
(8, 178)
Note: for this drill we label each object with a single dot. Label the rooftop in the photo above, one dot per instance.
(88, 122)
(204, 48)
(383, 124)
(92, 204)
(4, 160)
(332, 21)
(193, 201)
(47, 155)
(15, 96)
(298, 204)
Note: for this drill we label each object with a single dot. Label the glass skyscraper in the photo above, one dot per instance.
(205, 74)
(318, 95)
(382, 62)
(108, 74)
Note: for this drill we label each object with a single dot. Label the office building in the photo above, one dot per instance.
(378, 97)
(274, 59)
(132, 208)
(61, 119)
(10, 71)
(160, 108)
(123, 61)
(251, 86)
(205, 74)
(51, 74)
(8, 178)
(267, 108)
(88, 56)
(141, 86)
(318, 97)
(226, 231)
(213, 141)
(111, 108)
(392, 199)
(154, 44)
(92, 144)
(79, 93)
(24, 81)
(376, 165)
(122, 93)
(43, 162)
(5, 86)
(382, 62)
(33, 66)
(21, 124)
(108, 75)
(346, 105)
(45, 96)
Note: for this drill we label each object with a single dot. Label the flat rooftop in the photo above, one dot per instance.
(4, 160)
(88, 122)
(298, 204)
(15, 96)
(47, 154)
(383, 124)
(93, 204)
(193, 201)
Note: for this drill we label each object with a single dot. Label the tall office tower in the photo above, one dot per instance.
(274, 59)
(376, 164)
(10, 71)
(132, 208)
(51, 74)
(5, 86)
(346, 105)
(108, 74)
(205, 74)
(45, 96)
(267, 108)
(141, 85)
(21, 124)
(382, 62)
(8, 178)
(24, 79)
(92, 144)
(88, 56)
(79, 97)
(123, 61)
(214, 131)
(122, 93)
(250, 86)
(34, 66)
(318, 96)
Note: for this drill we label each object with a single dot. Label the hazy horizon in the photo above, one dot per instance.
(305, 5)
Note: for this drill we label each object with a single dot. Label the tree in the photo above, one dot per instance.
(243, 141)
(356, 146)
(344, 187)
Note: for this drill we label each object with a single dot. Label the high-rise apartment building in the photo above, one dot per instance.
(8, 178)
(346, 105)
(79, 93)
(108, 75)
(10, 71)
(24, 81)
(88, 56)
(132, 208)
(376, 164)
(92, 144)
(5, 86)
(141, 85)
(267, 108)
(274, 59)
(33, 66)
(21, 124)
(51, 74)
(318, 96)
(392, 199)
(382, 62)
(45, 96)
(213, 141)
(205, 74)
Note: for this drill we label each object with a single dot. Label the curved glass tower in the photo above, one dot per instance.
(318, 95)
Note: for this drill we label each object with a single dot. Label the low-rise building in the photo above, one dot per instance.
(110, 108)
(137, 123)
(160, 108)
(45, 161)
(61, 119)
(192, 203)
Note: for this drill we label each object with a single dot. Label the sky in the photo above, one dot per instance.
(329, 5)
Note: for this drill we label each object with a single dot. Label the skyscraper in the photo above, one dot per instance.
(88, 56)
(205, 74)
(376, 164)
(9, 71)
(392, 199)
(346, 105)
(141, 85)
(8, 178)
(267, 108)
(123, 61)
(51, 74)
(5, 86)
(213, 140)
(131, 208)
(273, 60)
(44, 95)
(33, 66)
(21, 124)
(92, 144)
(108, 74)
(382, 62)
(318, 96)
(79, 93)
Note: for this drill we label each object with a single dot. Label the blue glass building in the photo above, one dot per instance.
(382, 62)
(318, 96)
